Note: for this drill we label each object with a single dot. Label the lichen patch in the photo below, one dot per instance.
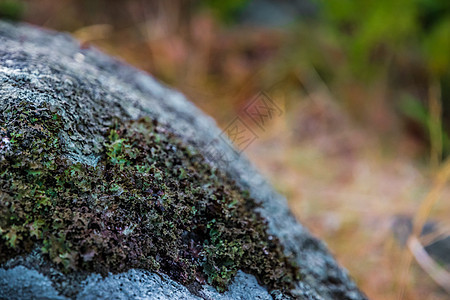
(151, 202)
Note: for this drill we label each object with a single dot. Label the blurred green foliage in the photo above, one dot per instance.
(396, 27)
(225, 11)
(402, 45)
(415, 110)
(11, 9)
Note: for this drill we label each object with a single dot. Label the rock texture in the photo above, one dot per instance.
(89, 88)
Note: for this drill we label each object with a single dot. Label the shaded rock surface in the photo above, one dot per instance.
(89, 88)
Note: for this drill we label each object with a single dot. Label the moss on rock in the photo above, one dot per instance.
(151, 202)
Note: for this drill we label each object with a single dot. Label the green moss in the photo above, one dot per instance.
(151, 202)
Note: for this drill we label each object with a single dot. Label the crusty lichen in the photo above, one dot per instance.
(151, 202)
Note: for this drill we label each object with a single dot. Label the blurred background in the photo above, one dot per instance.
(360, 149)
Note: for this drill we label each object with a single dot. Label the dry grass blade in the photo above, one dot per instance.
(438, 274)
(422, 214)
(438, 234)
(435, 126)
(428, 203)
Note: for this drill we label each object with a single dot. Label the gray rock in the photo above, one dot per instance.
(88, 88)
(21, 283)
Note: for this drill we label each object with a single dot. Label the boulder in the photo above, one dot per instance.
(108, 189)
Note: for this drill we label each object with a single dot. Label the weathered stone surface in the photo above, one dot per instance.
(89, 88)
